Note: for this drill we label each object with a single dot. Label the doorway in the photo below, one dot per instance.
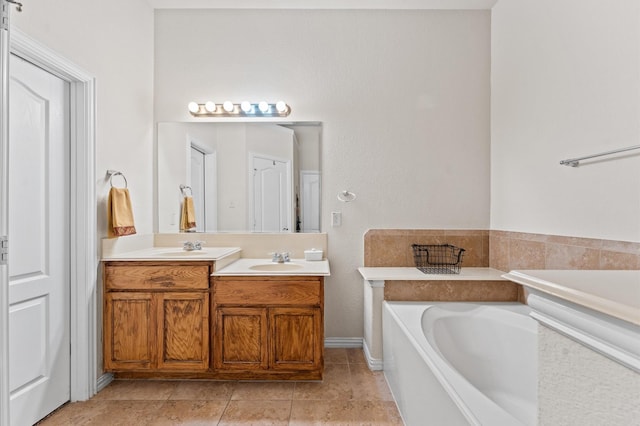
(204, 185)
(82, 229)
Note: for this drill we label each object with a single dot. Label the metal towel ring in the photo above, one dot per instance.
(117, 173)
(346, 196)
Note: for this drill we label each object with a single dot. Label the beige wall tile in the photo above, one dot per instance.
(499, 252)
(618, 260)
(386, 250)
(471, 291)
(621, 246)
(392, 247)
(526, 254)
(559, 256)
(575, 241)
(511, 250)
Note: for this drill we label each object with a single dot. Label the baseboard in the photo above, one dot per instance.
(103, 381)
(374, 364)
(343, 342)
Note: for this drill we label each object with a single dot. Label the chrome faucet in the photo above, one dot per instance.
(280, 257)
(192, 245)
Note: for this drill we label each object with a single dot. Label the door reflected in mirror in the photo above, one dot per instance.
(244, 177)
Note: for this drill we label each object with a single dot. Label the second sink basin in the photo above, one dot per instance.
(276, 267)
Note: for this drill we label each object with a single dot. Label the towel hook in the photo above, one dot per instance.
(183, 188)
(113, 173)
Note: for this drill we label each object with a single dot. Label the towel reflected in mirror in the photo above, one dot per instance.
(188, 215)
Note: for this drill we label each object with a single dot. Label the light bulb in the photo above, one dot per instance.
(194, 107)
(245, 106)
(263, 107)
(210, 106)
(281, 106)
(228, 106)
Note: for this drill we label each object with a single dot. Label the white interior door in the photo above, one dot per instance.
(310, 201)
(271, 196)
(39, 282)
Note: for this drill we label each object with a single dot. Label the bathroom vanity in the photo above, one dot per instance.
(156, 316)
(175, 314)
(268, 326)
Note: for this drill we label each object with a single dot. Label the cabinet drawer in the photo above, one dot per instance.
(156, 275)
(268, 291)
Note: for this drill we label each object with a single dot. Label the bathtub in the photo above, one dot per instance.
(461, 363)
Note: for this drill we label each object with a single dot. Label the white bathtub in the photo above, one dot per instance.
(461, 363)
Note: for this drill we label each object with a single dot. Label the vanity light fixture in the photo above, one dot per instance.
(244, 109)
(228, 106)
(209, 106)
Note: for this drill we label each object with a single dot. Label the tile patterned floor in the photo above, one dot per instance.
(350, 394)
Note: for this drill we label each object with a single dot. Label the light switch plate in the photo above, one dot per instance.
(336, 219)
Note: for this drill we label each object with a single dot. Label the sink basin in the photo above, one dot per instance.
(183, 253)
(276, 267)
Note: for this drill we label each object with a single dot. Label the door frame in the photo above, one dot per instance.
(83, 229)
(211, 182)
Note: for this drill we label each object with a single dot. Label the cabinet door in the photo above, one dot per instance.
(296, 338)
(183, 331)
(240, 341)
(129, 331)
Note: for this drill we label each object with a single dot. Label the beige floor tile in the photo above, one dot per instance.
(335, 356)
(355, 356)
(335, 386)
(261, 413)
(137, 390)
(344, 413)
(350, 394)
(192, 413)
(106, 413)
(75, 413)
(368, 385)
(203, 390)
(273, 391)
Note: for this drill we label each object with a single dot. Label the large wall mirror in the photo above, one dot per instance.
(243, 177)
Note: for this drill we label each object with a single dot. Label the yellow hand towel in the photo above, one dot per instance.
(188, 216)
(119, 213)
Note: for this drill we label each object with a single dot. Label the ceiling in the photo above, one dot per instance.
(322, 4)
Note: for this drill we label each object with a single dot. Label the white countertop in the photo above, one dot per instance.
(615, 293)
(414, 274)
(173, 253)
(264, 267)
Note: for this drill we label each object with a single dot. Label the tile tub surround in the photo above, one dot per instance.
(392, 247)
(349, 395)
(518, 250)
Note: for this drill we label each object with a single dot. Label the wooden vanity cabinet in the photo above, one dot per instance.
(156, 316)
(268, 327)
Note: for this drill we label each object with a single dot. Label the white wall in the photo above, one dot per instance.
(404, 101)
(113, 41)
(565, 78)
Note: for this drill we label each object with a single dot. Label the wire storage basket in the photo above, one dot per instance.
(438, 258)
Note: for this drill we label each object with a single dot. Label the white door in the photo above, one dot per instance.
(39, 283)
(310, 201)
(198, 187)
(271, 200)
